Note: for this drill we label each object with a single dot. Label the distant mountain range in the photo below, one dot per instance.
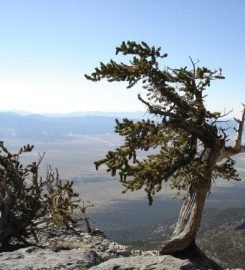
(26, 125)
(134, 115)
(33, 126)
(131, 115)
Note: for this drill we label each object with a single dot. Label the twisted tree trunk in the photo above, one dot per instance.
(190, 216)
(188, 222)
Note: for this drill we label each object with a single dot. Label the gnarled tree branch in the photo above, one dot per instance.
(237, 147)
(238, 140)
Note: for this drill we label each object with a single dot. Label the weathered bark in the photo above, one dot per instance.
(237, 146)
(190, 216)
(189, 220)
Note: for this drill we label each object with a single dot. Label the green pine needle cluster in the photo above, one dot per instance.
(26, 197)
(185, 132)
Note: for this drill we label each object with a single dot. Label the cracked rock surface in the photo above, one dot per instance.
(76, 250)
(145, 263)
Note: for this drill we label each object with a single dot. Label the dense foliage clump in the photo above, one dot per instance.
(185, 133)
(25, 197)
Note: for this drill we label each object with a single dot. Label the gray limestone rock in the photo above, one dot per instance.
(63, 249)
(33, 258)
(76, 250)
(145, 263)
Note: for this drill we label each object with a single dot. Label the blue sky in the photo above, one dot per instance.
(47, 45)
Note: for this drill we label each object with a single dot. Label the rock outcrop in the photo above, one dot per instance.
(76, 250)
(62, 249)
(146, 263)
(37, 258)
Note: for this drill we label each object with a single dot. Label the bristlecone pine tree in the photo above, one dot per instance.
(193, 149)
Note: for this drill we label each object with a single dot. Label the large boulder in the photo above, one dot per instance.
(145, 263)
(33, 258)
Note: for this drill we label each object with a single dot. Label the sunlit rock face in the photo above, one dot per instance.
(145, 263)
(73, 250)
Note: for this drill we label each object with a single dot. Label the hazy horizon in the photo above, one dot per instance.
(48, 46)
